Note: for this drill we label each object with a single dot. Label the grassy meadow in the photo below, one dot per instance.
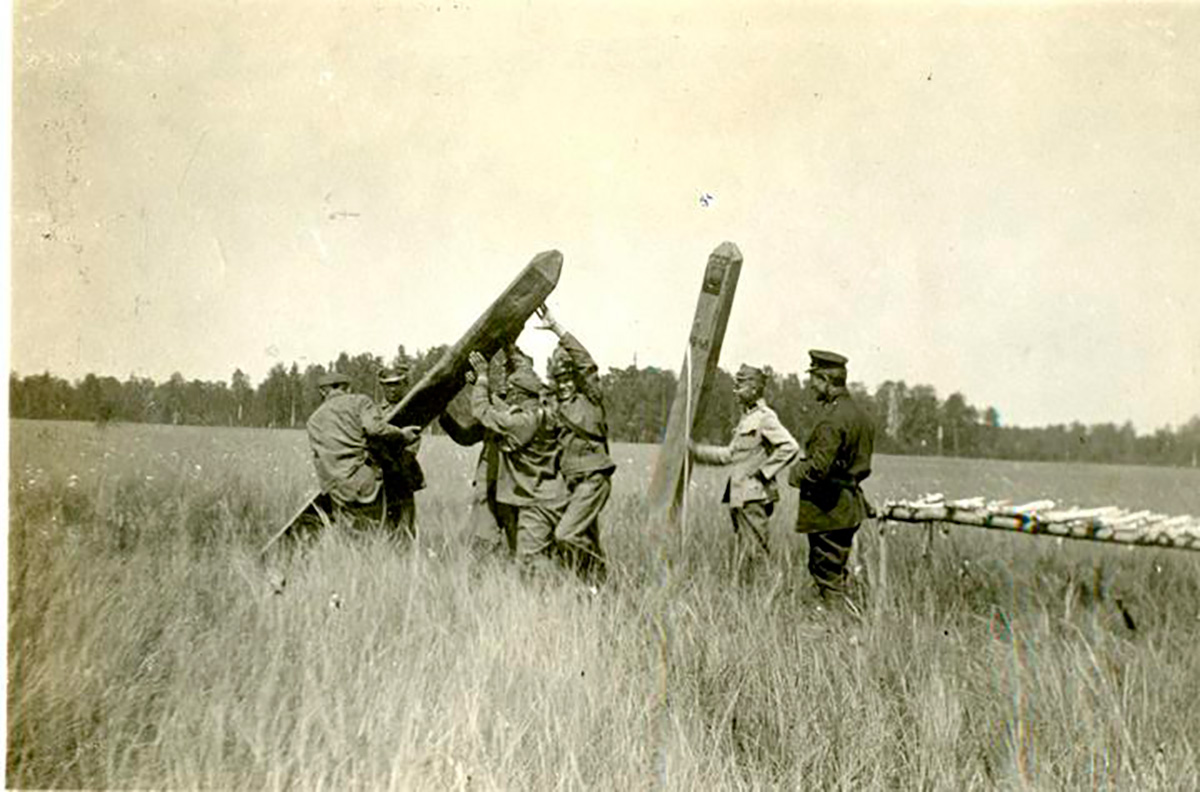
(147, 647)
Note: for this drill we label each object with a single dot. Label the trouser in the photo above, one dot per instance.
(577, 535)
(751, 523)
(535, 533)
(401, 518)
(828, 555)
(359, 516)
(492, 527)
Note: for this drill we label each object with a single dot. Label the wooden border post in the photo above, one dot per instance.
(665, 494)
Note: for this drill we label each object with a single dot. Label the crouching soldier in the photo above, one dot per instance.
(760, 448)
(527, 479)
(584, 460)
(339, 433)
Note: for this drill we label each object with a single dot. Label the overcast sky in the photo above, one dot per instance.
(997, 201)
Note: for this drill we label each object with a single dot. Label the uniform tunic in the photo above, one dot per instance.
(528, 474)
(491, 526)
(402, 477)
(339, 431)
(837, 461)
(832, 505)
(760, 448)
(586, 464)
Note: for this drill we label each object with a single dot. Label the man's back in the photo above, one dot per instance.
(337, 434)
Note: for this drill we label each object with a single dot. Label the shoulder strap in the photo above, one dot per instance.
(579, 430)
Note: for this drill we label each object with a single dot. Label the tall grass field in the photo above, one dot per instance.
(148, 646)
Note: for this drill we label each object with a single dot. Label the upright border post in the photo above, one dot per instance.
(665, 495)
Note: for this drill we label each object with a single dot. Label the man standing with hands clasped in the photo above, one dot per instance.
(837, 461)
(760, 448)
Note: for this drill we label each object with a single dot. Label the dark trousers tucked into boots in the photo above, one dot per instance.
(828, 555)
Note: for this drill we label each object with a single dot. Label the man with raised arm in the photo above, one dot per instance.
(760, 448)
(491, 525)
(837, 461)
(339, 432)
(584, 460)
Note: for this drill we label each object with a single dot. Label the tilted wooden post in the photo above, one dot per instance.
(695, 377)
(499, 324)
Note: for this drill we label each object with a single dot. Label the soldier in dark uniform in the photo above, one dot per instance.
(402, 474)
(584, 459)
(837, 460)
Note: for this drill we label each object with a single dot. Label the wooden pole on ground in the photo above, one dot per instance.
(880, 582)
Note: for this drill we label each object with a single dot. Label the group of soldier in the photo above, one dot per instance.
(545, 470)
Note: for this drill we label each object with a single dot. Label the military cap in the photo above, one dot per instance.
(820, 359)
(751, 374)
(394, 375)
(333, 378)
(525, 380)
(561, 364)
(515, 358)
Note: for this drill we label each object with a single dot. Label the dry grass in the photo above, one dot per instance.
(146, 648)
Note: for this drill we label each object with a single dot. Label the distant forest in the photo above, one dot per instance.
(911, 419)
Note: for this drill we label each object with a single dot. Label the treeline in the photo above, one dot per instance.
(911, 419)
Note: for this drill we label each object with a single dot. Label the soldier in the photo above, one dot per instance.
(491, 525)
(584, 460)
(402, 474)
(527, 478)
(837, 460)
(760, 448)
(339, 431)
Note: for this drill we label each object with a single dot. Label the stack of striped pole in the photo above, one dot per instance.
(1104, 524)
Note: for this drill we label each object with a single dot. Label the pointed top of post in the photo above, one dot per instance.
(549, 264)
(728, 250)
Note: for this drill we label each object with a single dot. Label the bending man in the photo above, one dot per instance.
(339, 431)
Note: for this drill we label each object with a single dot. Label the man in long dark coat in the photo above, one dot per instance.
(837, 460)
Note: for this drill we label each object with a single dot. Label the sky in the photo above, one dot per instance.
(995, 200)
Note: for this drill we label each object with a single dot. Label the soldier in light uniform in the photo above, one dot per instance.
(402, 474)
(584, 459)
(760, 448)
(339, 433)
(528, 476)
(837, 461)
